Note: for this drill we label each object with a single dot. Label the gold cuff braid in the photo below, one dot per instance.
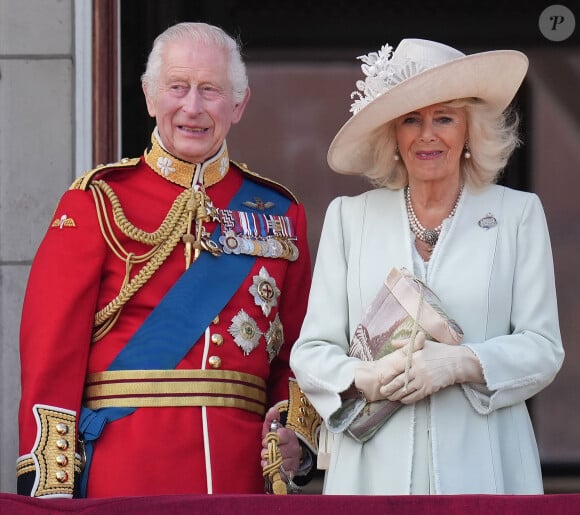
(302, 418)
(52, 460)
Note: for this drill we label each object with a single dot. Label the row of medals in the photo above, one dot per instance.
(269, 246)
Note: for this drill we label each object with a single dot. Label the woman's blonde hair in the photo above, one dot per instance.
(492, 138)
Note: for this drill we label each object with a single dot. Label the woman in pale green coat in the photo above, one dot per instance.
(432, 129)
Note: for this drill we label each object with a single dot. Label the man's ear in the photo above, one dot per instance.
(148, 99)
(239, 107)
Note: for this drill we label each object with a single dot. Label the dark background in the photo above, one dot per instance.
(326, 31)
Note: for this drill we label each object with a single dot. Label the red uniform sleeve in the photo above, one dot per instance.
(57, 319)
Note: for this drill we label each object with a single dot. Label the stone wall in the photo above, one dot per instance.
(36, 164)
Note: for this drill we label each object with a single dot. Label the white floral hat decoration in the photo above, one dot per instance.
(419, 73)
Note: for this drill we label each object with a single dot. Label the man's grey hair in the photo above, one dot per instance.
(198, 33)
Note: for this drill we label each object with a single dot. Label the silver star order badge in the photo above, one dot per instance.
(265, 291)
(274, 338)
(245, 331)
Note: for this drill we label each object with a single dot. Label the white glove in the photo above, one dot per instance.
(369, 376)
(436, 366)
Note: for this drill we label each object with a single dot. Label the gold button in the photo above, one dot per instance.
(216, 320)
(215, 361)
(61, 460)
(216, 338)
(62, 444)
(61, 428)
(61, 476)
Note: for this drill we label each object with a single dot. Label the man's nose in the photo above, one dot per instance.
(192, 102)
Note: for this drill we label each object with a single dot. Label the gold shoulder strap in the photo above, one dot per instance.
(83, 182)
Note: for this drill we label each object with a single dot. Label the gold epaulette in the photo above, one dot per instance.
(83, 182)
(260, 178)
(302, 418)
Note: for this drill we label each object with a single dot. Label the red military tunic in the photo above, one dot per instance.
(158, 449)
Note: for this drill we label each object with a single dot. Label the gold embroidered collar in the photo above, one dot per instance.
(183, 173)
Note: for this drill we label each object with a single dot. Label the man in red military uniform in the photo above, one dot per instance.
(163, 303)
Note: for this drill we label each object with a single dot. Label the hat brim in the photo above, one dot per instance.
(494, 77)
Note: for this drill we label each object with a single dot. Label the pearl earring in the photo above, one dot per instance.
(396, 154)
(467, 153)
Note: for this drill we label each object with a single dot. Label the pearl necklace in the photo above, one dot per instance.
(428, 236)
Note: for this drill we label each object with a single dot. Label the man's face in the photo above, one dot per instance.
(193, 101)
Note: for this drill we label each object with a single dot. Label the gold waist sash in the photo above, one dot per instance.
(175, 388)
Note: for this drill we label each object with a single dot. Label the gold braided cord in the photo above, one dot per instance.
(271, 471)
(131, 287)
(136, 234)
(109, 235)
(164, 240)
(110, 321)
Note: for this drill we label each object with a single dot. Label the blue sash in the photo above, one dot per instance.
(170, 330)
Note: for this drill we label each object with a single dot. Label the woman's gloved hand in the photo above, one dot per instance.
(434, 367)
(369, 376)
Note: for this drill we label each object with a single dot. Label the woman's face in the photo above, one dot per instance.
(431, 141)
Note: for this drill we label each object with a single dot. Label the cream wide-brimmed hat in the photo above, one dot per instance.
(419, 73)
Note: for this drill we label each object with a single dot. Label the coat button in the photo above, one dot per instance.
(61, 460)
(62, 444)
(215, 362)
(61, 476)
(218, 339)
(61, 428)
